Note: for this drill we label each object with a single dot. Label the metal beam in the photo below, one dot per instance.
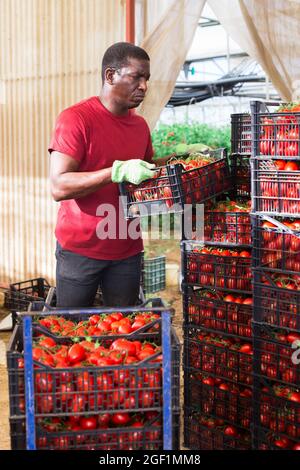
(220, 56)
(208, 22)
(130, 21)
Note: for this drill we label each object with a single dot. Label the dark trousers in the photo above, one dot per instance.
(78, 278)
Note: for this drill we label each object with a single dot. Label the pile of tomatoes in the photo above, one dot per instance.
(279, 249)
(279, 134)
(83, 377)
(99, 324)
(280, 410)
(275, 355)
(117, 431)
(158, 189)
(224, 357)
(215, 434)
(220, 267)
(202, 177)
(222, 312)
(228, 221)
(220, 398)
(279, 300)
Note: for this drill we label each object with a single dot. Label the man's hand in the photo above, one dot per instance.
(134, 171)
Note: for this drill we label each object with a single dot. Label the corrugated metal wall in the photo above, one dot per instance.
(147, 15)
(50, 53)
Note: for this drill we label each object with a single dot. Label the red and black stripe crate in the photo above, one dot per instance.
(120, 431)
(276, 354)
(276, 244)
(218, 398)
(275, 130)
(228, 222)
(203, 432)
(268, 440)
(218, 356)
(275, 187)
(158, 195)
(218, 311)
(75, 380)
(277, 299)
(276, 409)
(220, 268)
(203, 181)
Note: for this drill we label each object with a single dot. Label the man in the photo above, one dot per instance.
(96, 144)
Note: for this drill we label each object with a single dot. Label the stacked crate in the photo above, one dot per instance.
(240, 153)
(154, 274)
(275, 173)
(99, 401)
(19, 295)
(217, 308)
(194, 179)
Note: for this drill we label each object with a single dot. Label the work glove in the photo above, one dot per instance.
(134, 171)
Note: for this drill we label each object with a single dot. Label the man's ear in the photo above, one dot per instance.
(109, 75)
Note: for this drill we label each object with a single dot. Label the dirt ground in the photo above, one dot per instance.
(171, 295)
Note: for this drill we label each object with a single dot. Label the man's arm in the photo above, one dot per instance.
(69, 183)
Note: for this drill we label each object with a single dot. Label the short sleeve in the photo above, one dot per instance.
(69, 135)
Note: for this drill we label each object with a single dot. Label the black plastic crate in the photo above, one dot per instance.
(275, 131)
(98, 324)
(162, 194)
(86, 389)
(205, 433)
(154, 275)
(241, 174)
(218, 356)
(276, 246)
(276, 299)
(276, 354)
(210, 269)
(50, 300)
(218, 398)
(227, 226)
(267, 440)
(177, 184)
(277, 408)
(218, 311)
(206, 182)
(241, 133)
(20, 294)
(142, 432)
(274, 192)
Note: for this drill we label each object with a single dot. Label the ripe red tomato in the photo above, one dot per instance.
(88, 423)
(125, 345)
(230, 431)
(291, 166)
(103, 420)
(76, 353)
(120, 419)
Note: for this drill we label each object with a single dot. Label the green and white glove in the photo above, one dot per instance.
(134, 171)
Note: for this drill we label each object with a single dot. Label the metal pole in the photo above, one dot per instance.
(167, 382)
(228, 53)
(29, 384)
(130, 21)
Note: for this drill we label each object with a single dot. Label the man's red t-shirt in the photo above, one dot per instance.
(95, 137)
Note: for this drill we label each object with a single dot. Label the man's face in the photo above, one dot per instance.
(130, 83)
